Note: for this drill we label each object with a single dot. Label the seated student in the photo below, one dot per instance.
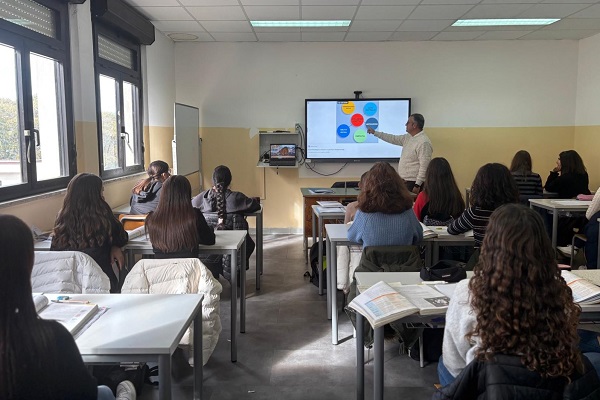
(529, 183)
(175, 227)
(492, 187)
(86, 223)
(146, 193)
(223, 201)
(38, 358)
(591, 232)
(384, 216)
(569, 178)
(440, 201)
(516, 318)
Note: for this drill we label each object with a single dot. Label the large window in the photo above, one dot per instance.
(118, 83)
(36, 137)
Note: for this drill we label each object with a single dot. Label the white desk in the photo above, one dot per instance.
(337, 235)
(556, 207)
(319, 215)
(227, 242)
(589, 313)
(125, 208)
(144, 328)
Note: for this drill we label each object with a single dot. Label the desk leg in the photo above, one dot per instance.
(198, 356)
(320, 261)
(259, 248)
(329, 291)
(554, 228)
(435, 255)
(304, 233)
(378, 365)
(314, 229)
(360, 358)
(164, 376)
(234, 306)
(243, 290)
(333, 275)
(428, 251)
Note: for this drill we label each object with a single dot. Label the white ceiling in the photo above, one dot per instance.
(372, 20)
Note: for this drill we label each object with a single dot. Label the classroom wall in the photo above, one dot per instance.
(587, 129)
(159, 96)
(482, 102)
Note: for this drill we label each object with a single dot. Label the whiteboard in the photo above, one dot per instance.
(186, 143)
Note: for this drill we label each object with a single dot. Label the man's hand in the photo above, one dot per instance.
(416, 189)
(116, 254)
(370, 131)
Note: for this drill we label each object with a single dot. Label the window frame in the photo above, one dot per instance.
(25, 42)
(120, 74)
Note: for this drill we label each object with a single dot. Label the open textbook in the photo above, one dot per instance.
(327, 203)
(438, 231)
(584, 291)
(137, 232)
(383, 302)
(71, 315)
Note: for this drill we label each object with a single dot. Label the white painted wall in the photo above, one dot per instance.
(588, 82)
(454, 84)
(159, 82)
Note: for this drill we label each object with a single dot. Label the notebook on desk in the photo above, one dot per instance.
(282, 155)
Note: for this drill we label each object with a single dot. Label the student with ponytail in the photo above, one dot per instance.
(146, 194)
(222, 200)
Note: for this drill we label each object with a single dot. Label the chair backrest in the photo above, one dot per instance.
(180, 276)
(390, 259)
(67, 272)
(233, 222)
(132, 221)
(346, 184)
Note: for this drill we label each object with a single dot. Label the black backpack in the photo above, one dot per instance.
(314, 265)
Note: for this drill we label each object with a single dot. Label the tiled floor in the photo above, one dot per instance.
(286, 352)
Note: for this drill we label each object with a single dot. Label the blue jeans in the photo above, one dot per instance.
(595, 360)
(589, 342)
(444, 375)
(104, 393)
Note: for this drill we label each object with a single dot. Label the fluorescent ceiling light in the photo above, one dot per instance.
(504, 22)
(299, 23)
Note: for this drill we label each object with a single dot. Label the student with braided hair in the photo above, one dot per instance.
(146, 194)
(228, 206)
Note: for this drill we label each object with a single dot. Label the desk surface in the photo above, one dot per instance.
(138, 323)
(224, 241)
(350, 192)
(560, 204)
(339, 233)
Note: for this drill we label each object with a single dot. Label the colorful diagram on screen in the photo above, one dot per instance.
(353, 118)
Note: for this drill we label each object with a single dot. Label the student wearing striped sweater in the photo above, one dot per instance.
(493, 186)
(529, 183)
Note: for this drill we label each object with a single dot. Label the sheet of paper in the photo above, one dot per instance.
(572, 202)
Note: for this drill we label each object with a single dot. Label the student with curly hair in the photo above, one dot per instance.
(86, 223)
(38, 358)
(384, 216)
(493, 186)
(175, 227)
(440, 201)
(512, 328)
(146, 194)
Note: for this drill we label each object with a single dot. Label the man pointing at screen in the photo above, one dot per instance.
(416, 151)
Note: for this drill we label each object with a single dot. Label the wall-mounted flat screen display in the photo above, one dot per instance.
(336, 129)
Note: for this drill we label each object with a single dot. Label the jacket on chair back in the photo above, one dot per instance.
(506, 378)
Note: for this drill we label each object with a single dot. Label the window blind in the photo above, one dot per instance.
(114, 52)
(30, 15)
